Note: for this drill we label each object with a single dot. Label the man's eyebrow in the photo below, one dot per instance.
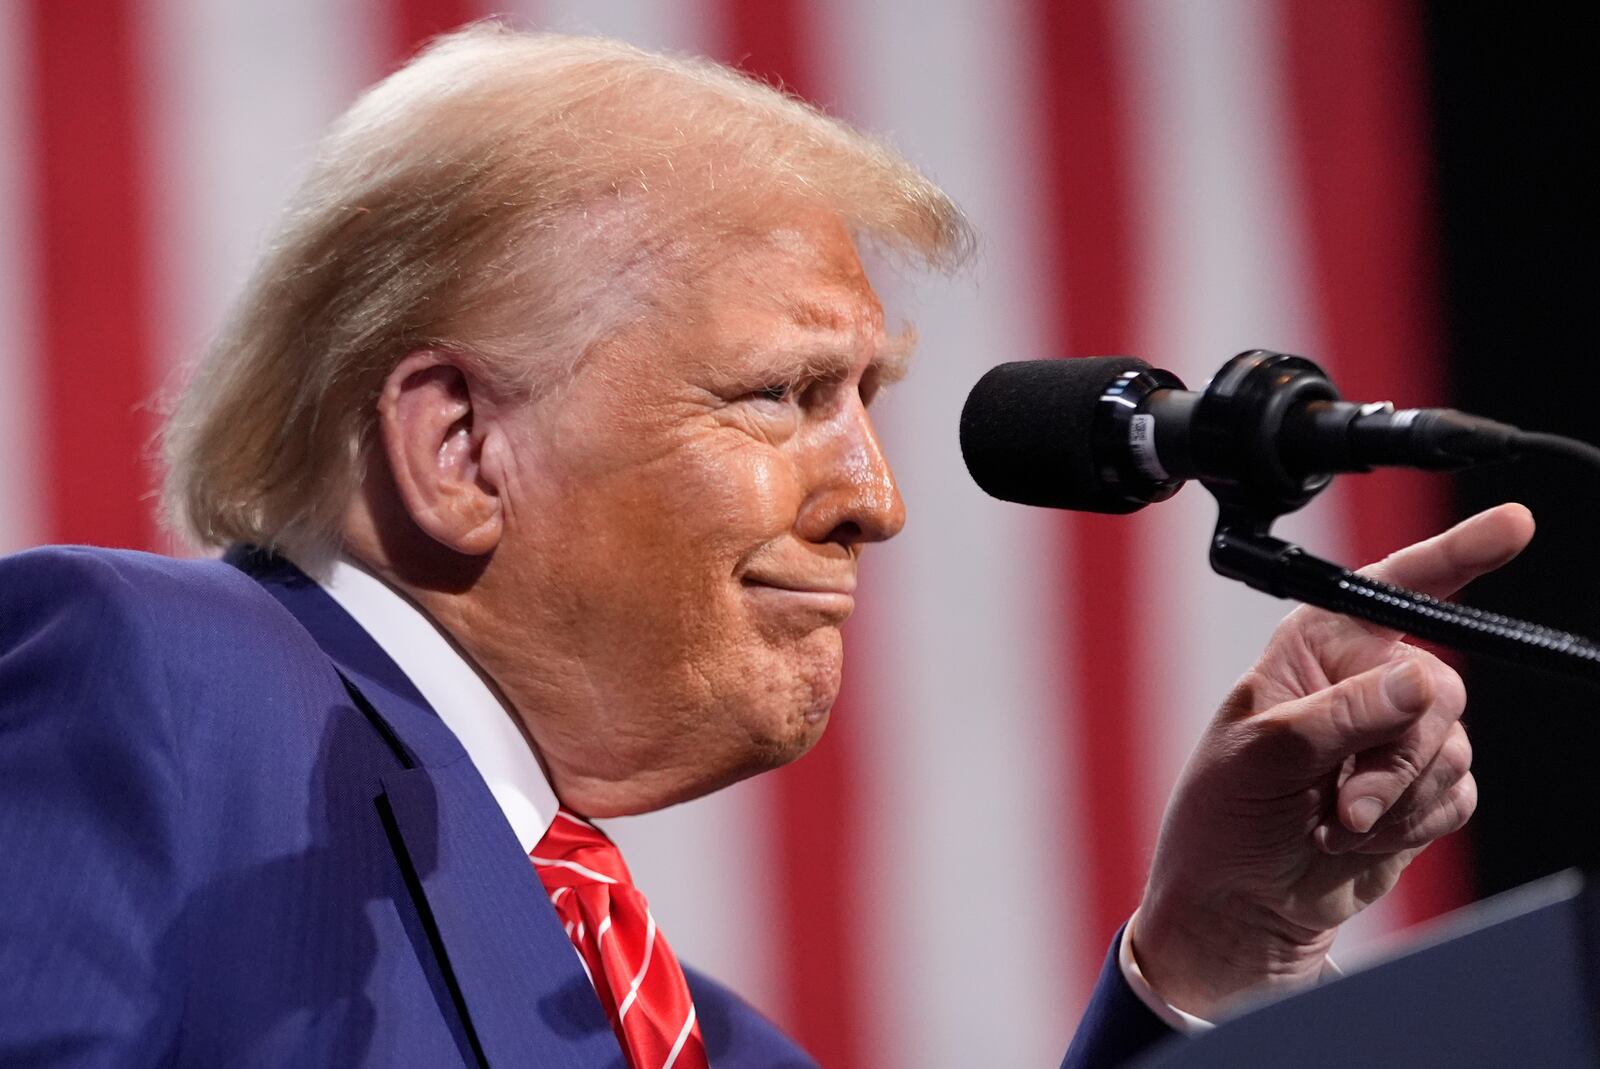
(893, 358)
(891, 361)
(834, 358)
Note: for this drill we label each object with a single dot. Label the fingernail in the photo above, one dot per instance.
(1325, 836)
(1404, 688)
(1364, 813)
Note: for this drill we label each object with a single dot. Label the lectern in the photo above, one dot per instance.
(1512, 981)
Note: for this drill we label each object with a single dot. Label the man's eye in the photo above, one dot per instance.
(779, 392)
(871, 386)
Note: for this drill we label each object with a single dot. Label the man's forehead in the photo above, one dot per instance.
(840, 310)
(795, 300)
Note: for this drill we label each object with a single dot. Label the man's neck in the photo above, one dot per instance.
(457, 690)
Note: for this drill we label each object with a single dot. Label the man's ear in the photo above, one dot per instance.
(434, 426)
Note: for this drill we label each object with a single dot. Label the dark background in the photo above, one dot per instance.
(1513, 104)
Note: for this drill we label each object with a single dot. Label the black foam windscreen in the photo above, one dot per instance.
(1026, 432)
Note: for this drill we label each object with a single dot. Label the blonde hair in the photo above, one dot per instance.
(503, 194)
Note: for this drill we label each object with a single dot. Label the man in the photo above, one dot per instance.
(542, 441)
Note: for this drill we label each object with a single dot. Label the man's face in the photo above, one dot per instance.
(684, 522)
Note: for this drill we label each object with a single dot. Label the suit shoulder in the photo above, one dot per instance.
(91, 573)
(198, 640)
(126, 592)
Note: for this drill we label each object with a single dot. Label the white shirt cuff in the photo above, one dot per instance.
(1185, 1023)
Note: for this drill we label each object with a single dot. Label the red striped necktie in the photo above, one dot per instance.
(639, 982)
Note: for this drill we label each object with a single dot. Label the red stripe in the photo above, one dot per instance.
(769, 40)
(93, 270)
(1089, 266)
(820, 854)
(412, 22)
(818, 904)
(1355, 81)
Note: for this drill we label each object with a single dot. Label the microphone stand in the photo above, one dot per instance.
(1243, 548)
(1234, 451)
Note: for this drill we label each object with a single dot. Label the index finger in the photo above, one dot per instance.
(1443, 564)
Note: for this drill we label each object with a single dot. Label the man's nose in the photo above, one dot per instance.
(854, 498)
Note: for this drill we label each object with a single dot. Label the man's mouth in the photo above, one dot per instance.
(843, 583)
(832, 596)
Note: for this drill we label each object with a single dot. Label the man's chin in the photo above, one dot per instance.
(804, 733)
(780, 736)
(818, 675)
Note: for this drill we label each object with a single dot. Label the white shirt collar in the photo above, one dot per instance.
(464, 701)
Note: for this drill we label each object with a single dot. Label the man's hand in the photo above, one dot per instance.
(1336, 759)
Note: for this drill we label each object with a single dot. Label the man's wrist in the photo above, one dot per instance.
(1201, 960)
(1176, 1019)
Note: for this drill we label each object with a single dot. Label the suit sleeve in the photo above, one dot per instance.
(1116, 1027)
(91, 801)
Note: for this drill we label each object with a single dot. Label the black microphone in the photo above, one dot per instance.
(1112, 434)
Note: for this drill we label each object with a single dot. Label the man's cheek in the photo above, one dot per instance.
(771, 488)
(745, 486)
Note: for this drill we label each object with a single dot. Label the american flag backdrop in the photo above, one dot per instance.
(935, 885)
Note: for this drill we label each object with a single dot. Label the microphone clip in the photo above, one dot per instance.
(1238, 437)
(1237, 431)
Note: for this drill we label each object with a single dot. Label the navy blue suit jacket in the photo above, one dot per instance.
(232, 833)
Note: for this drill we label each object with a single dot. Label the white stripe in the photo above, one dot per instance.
(1224, 274)
(681, 26)
(21, 504)
(709, 865)
(240, 93)
(683, 1036)
(572, 865)
(1228, 251)
(555, 899)
(649, 950)
(963, 702)
(562, 814)
(586, 971)
(600, 932)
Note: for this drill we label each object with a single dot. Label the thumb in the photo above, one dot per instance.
(1366, 710)
(1381, 717)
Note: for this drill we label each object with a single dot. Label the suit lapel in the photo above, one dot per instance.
(511, 968)
(522, 984)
